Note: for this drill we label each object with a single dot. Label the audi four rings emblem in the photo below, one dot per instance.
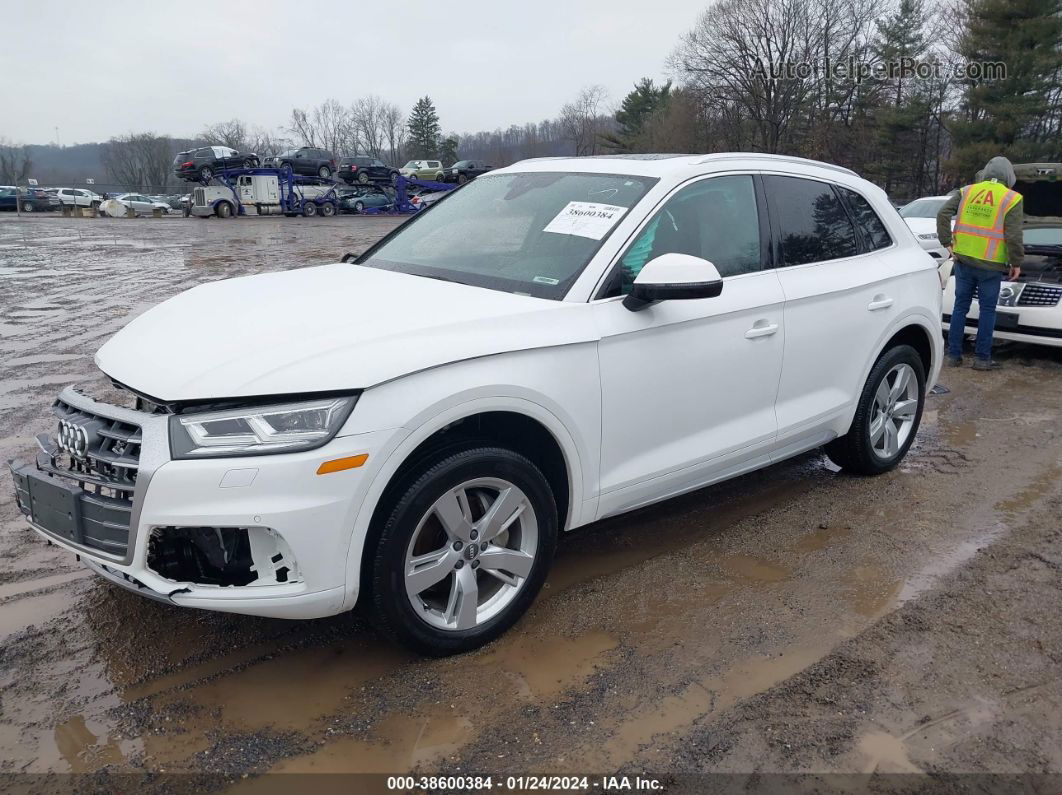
(73, 439)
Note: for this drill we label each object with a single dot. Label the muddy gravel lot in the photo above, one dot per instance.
(795, 620)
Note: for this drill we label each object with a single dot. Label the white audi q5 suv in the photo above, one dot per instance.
(556, 342)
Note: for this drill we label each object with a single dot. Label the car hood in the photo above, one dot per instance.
(333, 327)
(1041, 191)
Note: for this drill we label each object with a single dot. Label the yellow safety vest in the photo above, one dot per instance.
(979, 223)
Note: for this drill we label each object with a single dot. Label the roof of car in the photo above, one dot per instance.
(661, 165)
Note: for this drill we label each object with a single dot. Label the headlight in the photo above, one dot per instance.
(259, 430)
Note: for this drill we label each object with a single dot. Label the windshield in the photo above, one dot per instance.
(1043, 236)
(922, 208)
(521, 233)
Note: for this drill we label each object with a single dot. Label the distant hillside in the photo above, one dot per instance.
(73, 165)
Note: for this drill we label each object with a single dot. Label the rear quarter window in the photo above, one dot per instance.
(875, 235)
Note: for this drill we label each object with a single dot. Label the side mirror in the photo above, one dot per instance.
(672, 277)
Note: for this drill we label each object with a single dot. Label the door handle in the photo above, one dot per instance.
(881, 301)
(761, 329)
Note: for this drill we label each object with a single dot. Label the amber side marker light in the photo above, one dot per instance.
(340, 464)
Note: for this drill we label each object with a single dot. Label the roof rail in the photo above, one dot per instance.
(782, 158)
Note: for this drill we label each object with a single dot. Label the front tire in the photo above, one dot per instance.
(887, 415)
(309, 209)
(224, 210)
(363, 177)
(463, 551)
(324, 172)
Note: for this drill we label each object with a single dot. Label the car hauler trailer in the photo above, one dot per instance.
(268, 191)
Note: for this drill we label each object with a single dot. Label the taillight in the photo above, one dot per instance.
(186, 164)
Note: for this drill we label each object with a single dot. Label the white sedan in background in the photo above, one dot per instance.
(141, 204)
(921, 218)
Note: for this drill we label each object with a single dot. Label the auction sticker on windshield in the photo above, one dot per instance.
(586, 219)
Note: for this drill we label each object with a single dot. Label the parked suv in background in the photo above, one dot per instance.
(464, 170)
(77, 197)
(565, 341)
(27, 200)
(200, 165)
(307, 161)
(424, 169)
(365, 169)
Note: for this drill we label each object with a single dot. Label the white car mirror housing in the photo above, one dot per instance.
(673, 277)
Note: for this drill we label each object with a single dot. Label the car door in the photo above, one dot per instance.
(688, 386)
(839, 303)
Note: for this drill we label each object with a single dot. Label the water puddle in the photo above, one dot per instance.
(400, 743)
(751, 569)
(823, 538)
(710, 696)
(542, 667)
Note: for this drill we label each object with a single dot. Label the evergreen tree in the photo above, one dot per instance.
(635, 110)
(448, 150)
(424, 130)
(1015, 116)
(904, 102)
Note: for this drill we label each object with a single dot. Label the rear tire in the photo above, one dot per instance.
(887, 416)
(206, 173)
(324, 172)
(309, 209)
(363, 177)
(27, 207)
(496, 549)
(327, 210)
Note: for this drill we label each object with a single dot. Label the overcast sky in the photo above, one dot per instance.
(97, 68)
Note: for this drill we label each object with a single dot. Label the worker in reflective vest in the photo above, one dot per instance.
(987, 246)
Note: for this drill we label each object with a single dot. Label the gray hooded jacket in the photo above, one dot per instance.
(1000, 170)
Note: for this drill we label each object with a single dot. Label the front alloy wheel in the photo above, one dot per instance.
(464, 550)
(886, 417)
(893, 415)
(471, 553)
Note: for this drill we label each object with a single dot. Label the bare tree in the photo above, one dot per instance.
(328, 126)
(583, 120)
(393, 129)
(367, 118)
(139, 161)
(232, 133)
(15, 162)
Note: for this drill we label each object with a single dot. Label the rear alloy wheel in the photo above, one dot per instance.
(464, 551)
(27, 207)
(363, 177)
(324, 172)
(309, 209)
(461, 179)
(206, 173)
(887, 416)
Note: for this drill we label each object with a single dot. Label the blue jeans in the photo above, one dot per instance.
(987, 283)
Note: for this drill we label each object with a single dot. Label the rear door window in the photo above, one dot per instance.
(811, 222)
